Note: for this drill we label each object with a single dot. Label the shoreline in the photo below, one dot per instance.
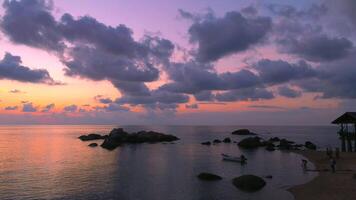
(326, 185)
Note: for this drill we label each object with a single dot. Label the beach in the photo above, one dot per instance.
(328, 186)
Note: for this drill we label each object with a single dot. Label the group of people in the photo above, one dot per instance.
(329, 153)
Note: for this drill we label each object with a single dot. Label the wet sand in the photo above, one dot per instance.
(328, 186)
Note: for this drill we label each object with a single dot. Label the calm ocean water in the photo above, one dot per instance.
(49, 162)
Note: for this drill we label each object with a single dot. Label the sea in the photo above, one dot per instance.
(50, 162)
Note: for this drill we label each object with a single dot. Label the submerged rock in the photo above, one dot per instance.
(92, 136)
(93, 145)
(249, 183)
(243, 132)
(206, 143)
(209, 177)
(250, 142)
(310, 145)
(217, 141)
(227, 140)
(118, 136)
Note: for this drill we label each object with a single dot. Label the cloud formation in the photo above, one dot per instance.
(219, 37)
(11, 68)
(28, 107)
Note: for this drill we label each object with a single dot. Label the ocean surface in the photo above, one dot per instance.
(49, 162)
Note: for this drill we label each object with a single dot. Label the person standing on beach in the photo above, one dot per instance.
(332, 164)
(304, 164)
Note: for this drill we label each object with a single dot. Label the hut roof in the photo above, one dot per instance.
(346, 118)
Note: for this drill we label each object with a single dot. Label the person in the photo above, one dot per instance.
(304, 164)
(328, 152)
(243, 159)
(332, 165)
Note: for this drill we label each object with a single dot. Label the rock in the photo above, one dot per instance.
(93, 145)
(285, 144)
(274, 139)
(206, 143)
(91, 136)
(209, 177)
(249, 183)
(310, 145)
(270, 147)
(227, 140)
(250, 142)
(118, 136)
(269, 176)
(243, 132)
(217, 141)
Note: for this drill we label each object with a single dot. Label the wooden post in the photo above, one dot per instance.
(342, 135)
(355, 137)
(349, 145)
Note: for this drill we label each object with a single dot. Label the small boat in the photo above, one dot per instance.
(240, 159)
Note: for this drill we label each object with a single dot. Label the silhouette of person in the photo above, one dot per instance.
(304, 164)
(332, 165)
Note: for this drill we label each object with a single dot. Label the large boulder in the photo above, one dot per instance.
(310, 145)
(270, 146)
(243, 132)
(285, 144)
(209, 177)
(91, 136)
(250, 142)
(206, 143)
(216, 141)
(227, 140)
(249, 183)
(118, 136)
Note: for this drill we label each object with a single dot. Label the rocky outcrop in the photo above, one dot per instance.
(209, 177)
(206, 143)
(217, 141)
(118, 136)
(91, 136)
(227, 140)
(250, 143)
(310, 145)
(249, 183)
(243, 132)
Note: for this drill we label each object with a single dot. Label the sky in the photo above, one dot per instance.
(177, 62)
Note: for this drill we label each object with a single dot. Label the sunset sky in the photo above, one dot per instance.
(177, 61)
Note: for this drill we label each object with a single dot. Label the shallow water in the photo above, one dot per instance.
(49, 162)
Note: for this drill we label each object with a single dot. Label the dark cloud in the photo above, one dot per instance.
(301, 32)
(105, 100)
(334, 79)
(112, 107)
(193, 77)
(279, 71)
(30, 22)
(247, 94)
(218, 37)
(28, 107)
(192, 106)
(318, 47)
(71, 108)
(11, 68)
(48, 107)
(204, 96)
(286, 91)
(11, 108)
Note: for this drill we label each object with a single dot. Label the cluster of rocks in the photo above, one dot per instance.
(243, 132)
(118, 136)
(272, 143)
(217, 141)
(249, 183)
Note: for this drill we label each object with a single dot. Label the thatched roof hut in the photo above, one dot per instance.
(346, 118)
(346, 133)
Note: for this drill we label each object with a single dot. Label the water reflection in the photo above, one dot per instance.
(49, 162)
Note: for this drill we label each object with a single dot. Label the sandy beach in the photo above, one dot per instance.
(328, 186)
